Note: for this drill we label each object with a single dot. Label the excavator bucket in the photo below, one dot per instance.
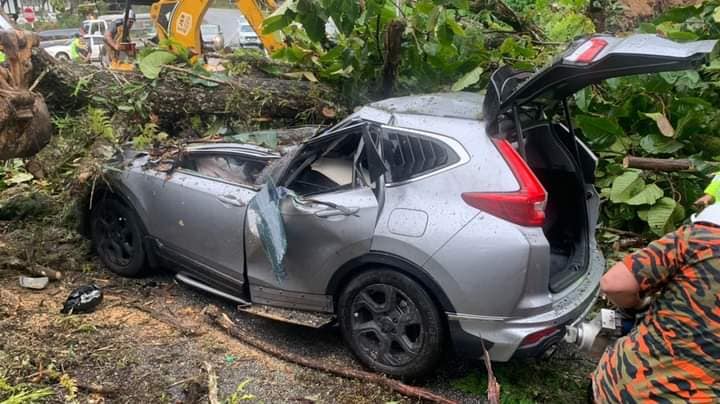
(25, 125)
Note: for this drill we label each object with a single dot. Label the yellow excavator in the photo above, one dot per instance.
(180, 21)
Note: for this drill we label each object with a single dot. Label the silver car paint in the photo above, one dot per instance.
(317, 246)
(492, 271)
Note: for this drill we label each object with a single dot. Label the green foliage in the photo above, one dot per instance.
(240, 394)
(528, 382)
(150, 136)
(100, 125)
(152, 63)
(21, 394)
(443, 43)
(666, 115)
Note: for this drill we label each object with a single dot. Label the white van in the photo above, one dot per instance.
(143, 24)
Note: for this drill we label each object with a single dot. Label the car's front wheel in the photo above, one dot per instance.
(391, 324)
(118, 237)
(62, 56)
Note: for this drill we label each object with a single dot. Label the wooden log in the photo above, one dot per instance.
(176, 96)
(654, 164)
(222, 320)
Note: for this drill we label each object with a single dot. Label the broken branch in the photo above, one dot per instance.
(97, 389)
(224, 322)
(212, 384)
(184, 329)
(653, 164)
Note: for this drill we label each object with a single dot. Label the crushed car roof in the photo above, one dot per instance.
(463, 105)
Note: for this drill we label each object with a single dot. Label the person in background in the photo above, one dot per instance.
(114, 36)
(79, 52)
(712, 193)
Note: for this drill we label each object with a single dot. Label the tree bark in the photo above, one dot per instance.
(652, 164)
(176, 97)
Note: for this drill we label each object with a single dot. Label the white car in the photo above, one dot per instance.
(62, 52)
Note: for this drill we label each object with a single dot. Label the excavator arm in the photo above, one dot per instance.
(180, 20)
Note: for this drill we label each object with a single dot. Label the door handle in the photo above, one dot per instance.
(230, 200)
(326, 213)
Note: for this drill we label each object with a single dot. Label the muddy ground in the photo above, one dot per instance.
(127, 355)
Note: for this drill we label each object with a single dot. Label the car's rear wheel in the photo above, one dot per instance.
(118, 237)
(391, 324)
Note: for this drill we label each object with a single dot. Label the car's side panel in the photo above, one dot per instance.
(199, 218)
(489, 262)
(316, 246)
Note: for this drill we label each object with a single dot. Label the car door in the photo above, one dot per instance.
(198, 216)
(324, 227)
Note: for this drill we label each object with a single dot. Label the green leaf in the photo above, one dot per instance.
(663, 123)
(716, 15)
(661, 217)
(424, 6)
(626, 186)
(277, 22)
(647, 28)
(602, 132)
(583, 98)
(125, 108)
(682, 36)
(151, 64)
(468, 79)
(679, 14)
(19, 178)
(656, 144)
(647, 196)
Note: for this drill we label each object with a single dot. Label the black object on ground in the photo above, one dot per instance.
(83, 300)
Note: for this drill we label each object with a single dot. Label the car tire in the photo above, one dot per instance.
(118, 237)
(62, 56)
(391, 324)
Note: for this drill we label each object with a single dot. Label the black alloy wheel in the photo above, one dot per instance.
(391, 324)
(118, 238)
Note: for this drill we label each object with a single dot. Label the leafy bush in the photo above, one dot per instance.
(667, 115)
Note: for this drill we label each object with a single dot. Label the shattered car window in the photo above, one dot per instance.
(331, 169)
(228, 168)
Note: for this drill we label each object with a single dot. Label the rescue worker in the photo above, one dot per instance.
(79, 49)
(673, 355)
(114, 35)
(2, 57)
(712, 193)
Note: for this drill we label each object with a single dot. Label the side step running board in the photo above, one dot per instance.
(297, 317)
(199, 285)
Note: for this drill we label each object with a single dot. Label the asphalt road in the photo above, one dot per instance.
(229, 20)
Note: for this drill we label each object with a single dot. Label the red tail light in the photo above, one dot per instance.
(587, 52)
(526, 206)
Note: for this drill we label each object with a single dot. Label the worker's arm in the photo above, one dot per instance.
(645, 271)
(621, 287)
(109, 40)
(712, 193)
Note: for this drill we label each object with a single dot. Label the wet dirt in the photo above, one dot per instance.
(139, 358)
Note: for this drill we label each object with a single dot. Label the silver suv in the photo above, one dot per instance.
(414, 222)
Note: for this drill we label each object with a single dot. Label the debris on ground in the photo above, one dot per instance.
(34, 283)
(83, 300)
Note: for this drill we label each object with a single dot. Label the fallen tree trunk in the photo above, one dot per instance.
(223, 321)
(178, 95)
(653, 164)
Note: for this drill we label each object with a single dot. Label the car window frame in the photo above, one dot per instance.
(452, 144)
(306, 160)
(212, 153)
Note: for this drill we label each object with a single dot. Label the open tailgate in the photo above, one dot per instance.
(590, 61)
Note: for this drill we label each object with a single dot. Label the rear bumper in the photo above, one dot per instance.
(503, 336)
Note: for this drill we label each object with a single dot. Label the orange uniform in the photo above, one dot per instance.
(673, 355)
